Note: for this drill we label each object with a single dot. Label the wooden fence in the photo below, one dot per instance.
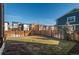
(59, 34)
(56, 33)
(16, 33)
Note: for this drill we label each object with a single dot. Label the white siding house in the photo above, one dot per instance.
(6, 26)
(26, 27)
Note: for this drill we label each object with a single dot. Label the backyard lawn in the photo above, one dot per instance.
(37, 45)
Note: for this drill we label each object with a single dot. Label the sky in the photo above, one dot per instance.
(40, 13)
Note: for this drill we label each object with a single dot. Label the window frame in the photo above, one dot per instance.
(73, 17)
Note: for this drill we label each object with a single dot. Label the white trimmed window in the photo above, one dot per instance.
(71, 19)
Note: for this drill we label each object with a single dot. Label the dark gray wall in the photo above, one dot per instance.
(62, 20)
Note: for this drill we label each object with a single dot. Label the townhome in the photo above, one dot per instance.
(71, 21)
(6, 26)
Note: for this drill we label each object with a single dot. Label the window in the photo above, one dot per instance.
(26, 27)
(71, 19)
(41, 27)
(47, 27)
(52, 27)
(15, 25)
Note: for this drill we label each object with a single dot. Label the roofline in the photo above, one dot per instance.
(69, 13)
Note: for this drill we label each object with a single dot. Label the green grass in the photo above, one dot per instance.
(44, 45)
(35, 40)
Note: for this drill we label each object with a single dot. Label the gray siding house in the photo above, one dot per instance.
(71, 19)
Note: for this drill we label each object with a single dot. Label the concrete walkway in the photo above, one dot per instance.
(74, 50)
(2, 48)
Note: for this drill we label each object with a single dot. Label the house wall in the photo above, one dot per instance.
(26, 27)
(6, 26)
(63, 20)
(20, 27)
